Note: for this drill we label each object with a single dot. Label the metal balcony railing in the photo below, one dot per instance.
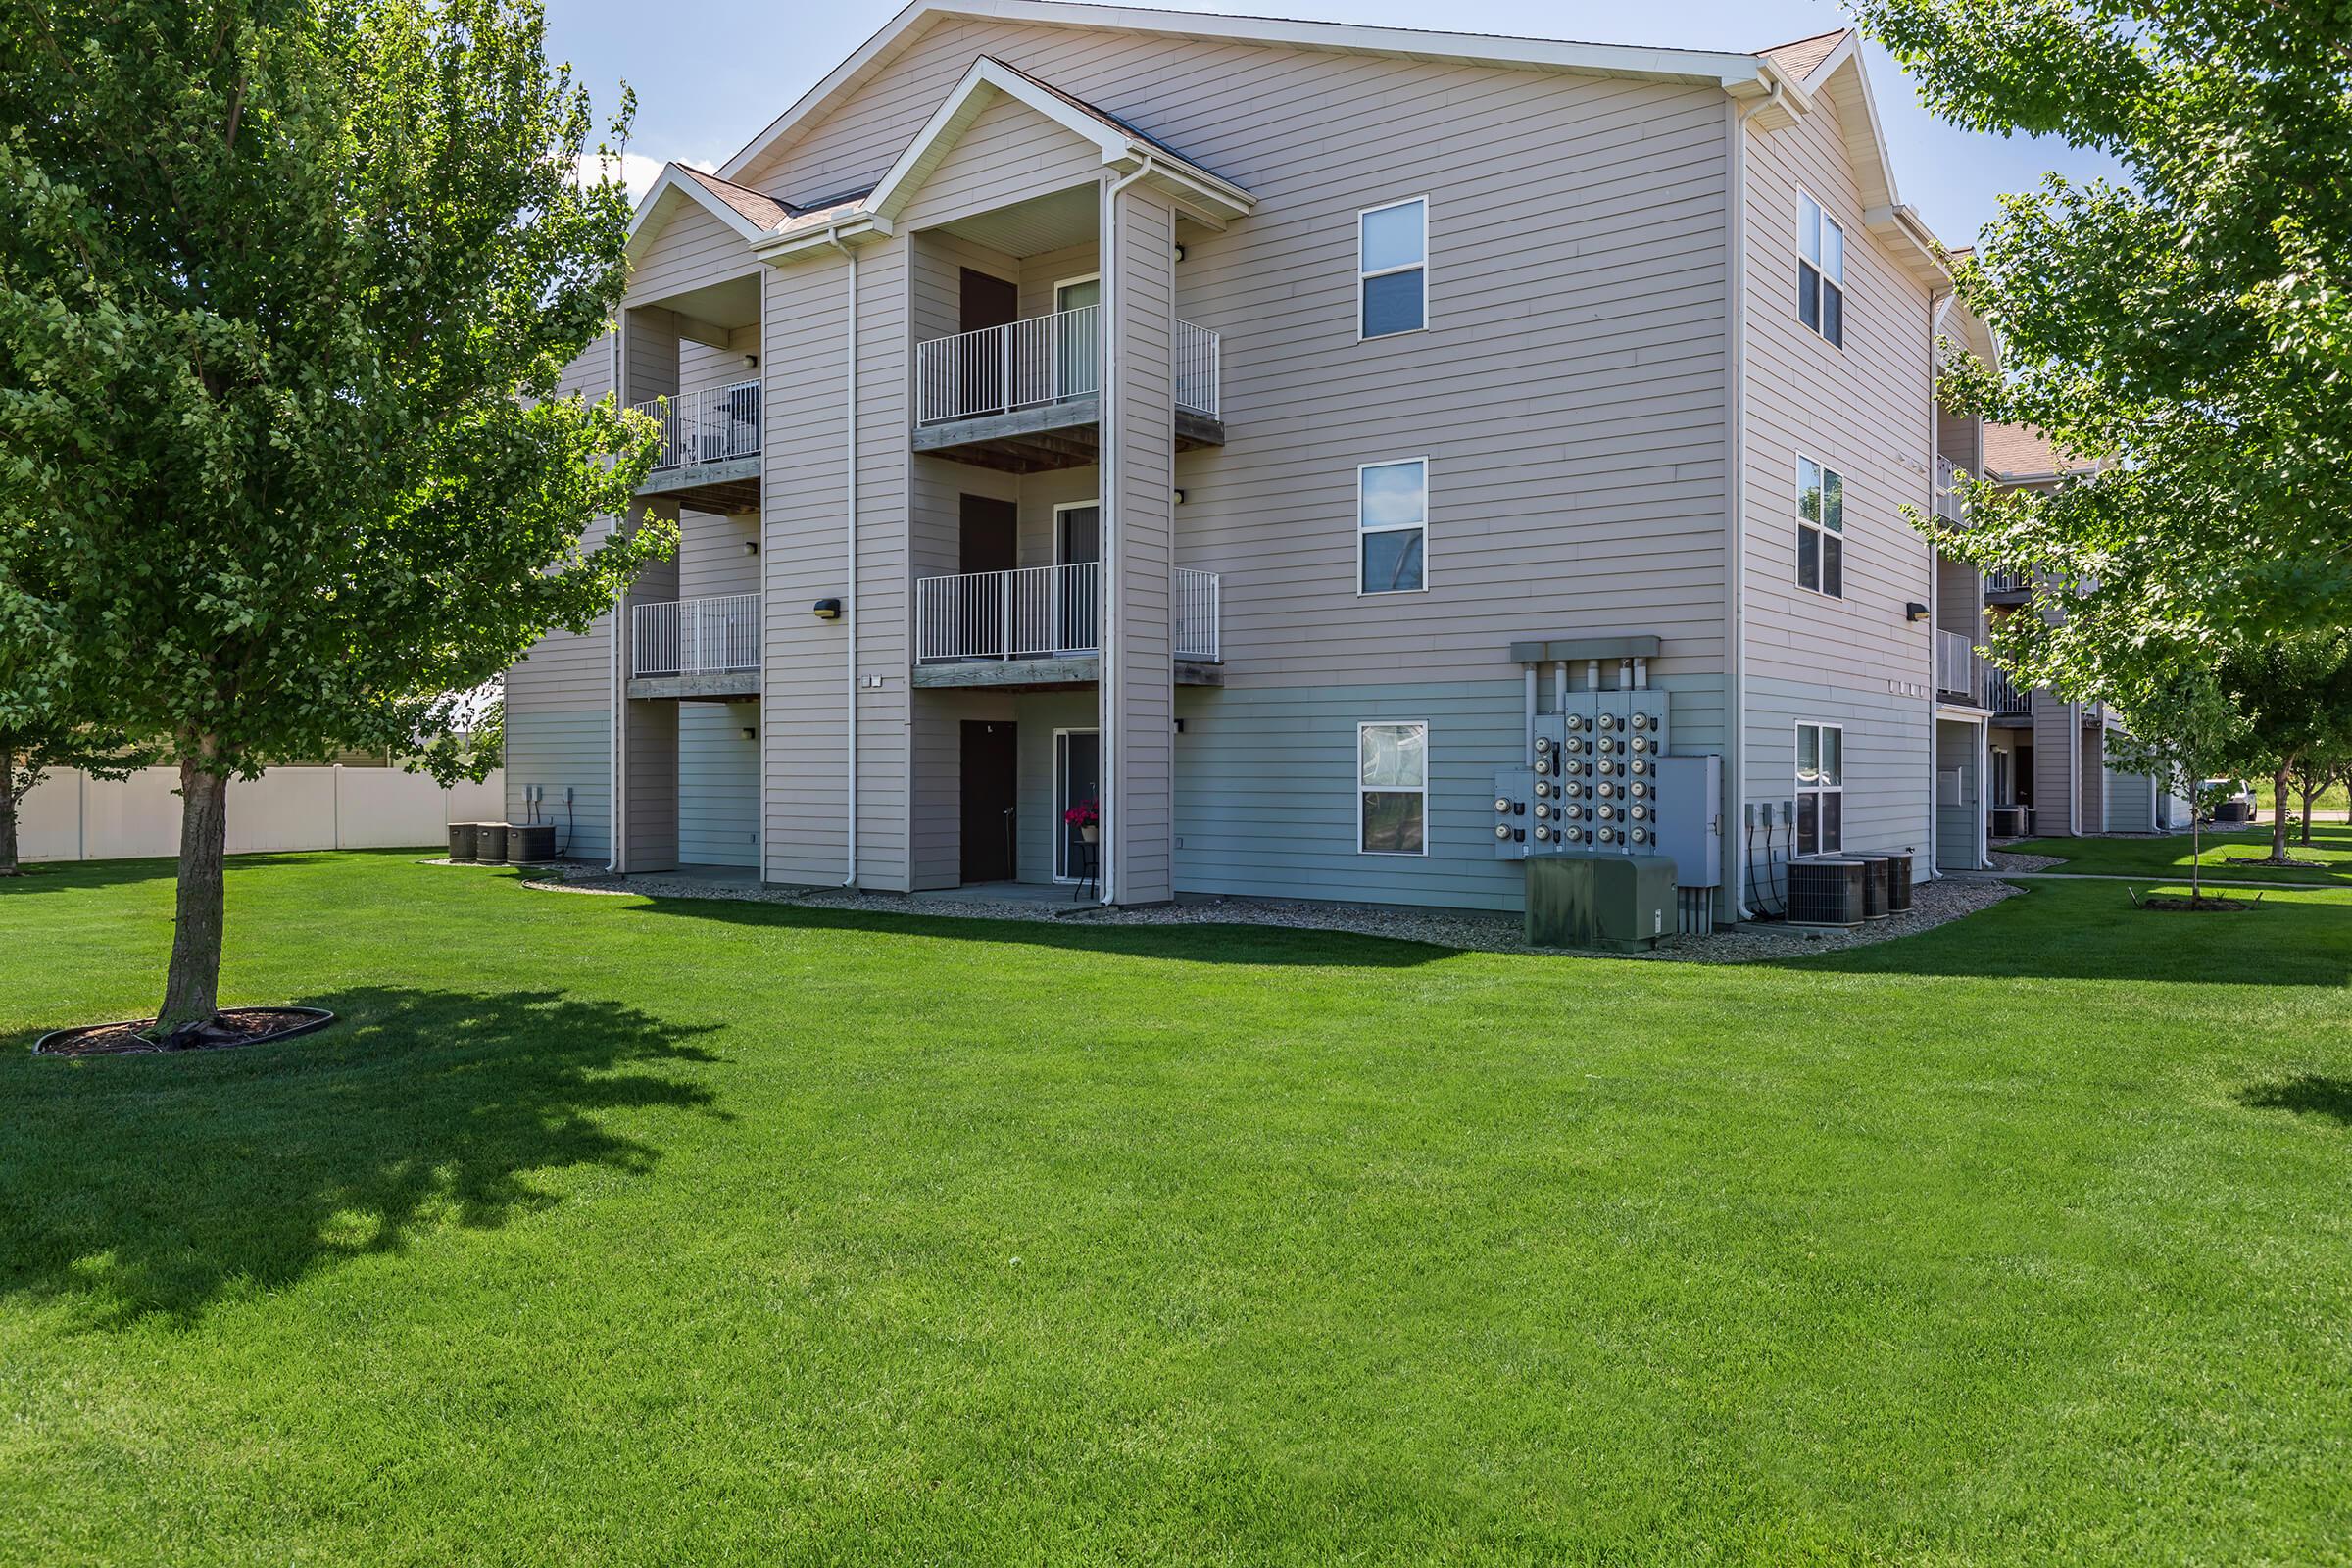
(2005, 582)
(1042, 611)
(1198, 594)
(1948, 505)
(708, 426)
(2002, 694)
(695, 636)
(1957, 663)
(1198, 350)
(1040, 361)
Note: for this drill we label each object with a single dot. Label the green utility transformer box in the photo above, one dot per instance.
(1621, 902)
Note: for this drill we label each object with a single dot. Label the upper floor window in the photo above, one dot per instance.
(1391, 527)
(1392, 789)
(1819, 789)
(1820, 270)
(1392, 266)
(1820, 528)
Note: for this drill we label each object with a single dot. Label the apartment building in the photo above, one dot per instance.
(2046, 768)
(1254, 432)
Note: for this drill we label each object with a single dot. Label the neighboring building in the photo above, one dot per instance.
(2047, 768)
(1256, 427)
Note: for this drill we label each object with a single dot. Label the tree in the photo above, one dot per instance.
(2192, 320)
(2187, 726)
(2315, 772)
(284, 296)
(2296, 696)
(39, 733)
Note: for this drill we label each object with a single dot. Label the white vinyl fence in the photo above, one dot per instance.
(72, 816)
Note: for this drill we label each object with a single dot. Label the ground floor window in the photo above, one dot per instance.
(1819, 789)
(1392, 789)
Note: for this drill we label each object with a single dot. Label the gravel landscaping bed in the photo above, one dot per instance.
(1933, 905)
(2011, 861)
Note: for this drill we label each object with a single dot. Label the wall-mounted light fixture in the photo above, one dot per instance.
(1177, 496)
(1180, 253)
(751, 361)
(751, 732)
(826, 609)
(1915, 611)
(751, 547)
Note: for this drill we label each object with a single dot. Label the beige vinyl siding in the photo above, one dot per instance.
(804, 684)
(2057, 741)
(559, 695)
(1140, 545)
(1575, 365)
(1865, 410)
(693, 250)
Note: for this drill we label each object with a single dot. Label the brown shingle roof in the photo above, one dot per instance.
(2013, 452)
(765, 210)
(1803, 56)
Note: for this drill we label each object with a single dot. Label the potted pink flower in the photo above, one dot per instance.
(1087, 817)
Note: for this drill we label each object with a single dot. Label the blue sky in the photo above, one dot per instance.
(708, 75)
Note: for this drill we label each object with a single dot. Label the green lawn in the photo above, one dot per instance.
(2330, 844)
(608, 1230)
(2331, 803)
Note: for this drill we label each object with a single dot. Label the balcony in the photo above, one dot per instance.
(2008, 586)
(1041, 627)
(1956, 664)
(710, 458)
(2002, 694)
(695, 649)
(1026, 396)
(1948, 506)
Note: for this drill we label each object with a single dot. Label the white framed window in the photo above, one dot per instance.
(1392, 789)
(1391, 268)
(1391, 527)
(1819, 528)
(1819, 789)
(1820, 270)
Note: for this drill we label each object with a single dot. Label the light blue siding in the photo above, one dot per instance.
(719, 784)
(559, 749)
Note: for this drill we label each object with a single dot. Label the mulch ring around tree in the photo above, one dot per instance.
(2180, 903)
(235, 1026)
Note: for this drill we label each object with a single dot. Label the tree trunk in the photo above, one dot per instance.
(2282, 787)
(8, 817)
(192, 990)
(2311, 789)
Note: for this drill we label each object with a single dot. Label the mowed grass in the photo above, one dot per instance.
(2172, 855)
(607, 1229)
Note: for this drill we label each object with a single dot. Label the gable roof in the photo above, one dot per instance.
(765, 210)
(1741, 74)
(747, 213)
(1195, 190)
(1804, 56)
(2017, 454)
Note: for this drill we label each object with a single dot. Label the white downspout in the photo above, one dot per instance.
(1109, 704)
(1936, 602)
(614, 735)
(1736, 521)
(849, 601)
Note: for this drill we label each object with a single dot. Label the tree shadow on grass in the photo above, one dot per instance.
(65, 876)
(146, 1186)
(1205, 940)
(2310, 1095)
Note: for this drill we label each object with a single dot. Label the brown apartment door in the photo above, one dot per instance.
(988, 301)
(991, 773)
(990, 530)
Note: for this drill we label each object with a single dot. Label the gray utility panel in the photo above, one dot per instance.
(1592, 785)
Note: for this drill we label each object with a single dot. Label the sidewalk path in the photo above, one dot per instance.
(2145, 881)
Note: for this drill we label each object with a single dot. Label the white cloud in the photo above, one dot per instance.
(636, 170)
